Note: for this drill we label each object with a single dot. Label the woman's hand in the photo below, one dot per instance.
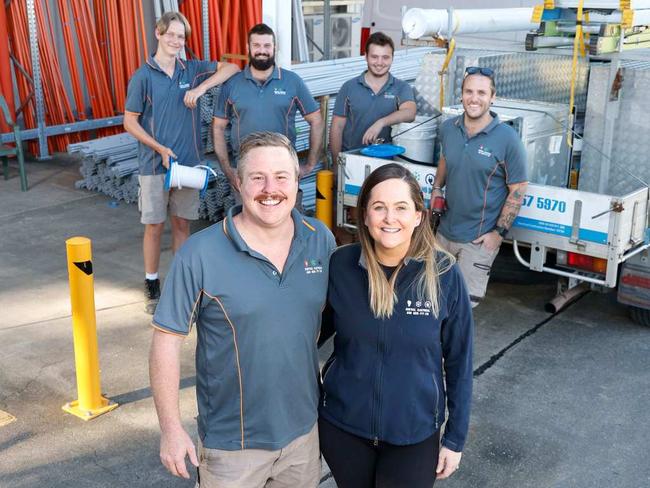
(448, 463)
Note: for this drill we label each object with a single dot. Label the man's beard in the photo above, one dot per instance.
(261, 64)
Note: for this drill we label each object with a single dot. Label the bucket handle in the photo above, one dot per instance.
(380, 140)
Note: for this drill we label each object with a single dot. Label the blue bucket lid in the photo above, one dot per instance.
(168, 175)
(382, 150)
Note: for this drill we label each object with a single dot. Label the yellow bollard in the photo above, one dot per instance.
(91, 403)
(325, 197)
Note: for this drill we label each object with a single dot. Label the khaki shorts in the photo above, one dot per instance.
(475, 263)
(295, 465)
(154, 200)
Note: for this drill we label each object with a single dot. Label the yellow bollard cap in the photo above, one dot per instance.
(77, 241)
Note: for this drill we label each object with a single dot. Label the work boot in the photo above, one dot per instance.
(151, 295)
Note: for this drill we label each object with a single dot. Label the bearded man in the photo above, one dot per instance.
(263, 97)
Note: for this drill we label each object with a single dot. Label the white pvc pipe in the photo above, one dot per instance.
(417, 22)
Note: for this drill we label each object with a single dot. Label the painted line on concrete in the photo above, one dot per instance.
(37, 209)
(69, 316)
(496, 357)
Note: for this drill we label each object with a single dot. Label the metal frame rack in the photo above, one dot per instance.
(42, 130)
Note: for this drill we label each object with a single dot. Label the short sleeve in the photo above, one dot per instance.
(405, 93)
(307, 103)
(203, 70)
(516, 161)
(179, 300)
(220, 108)
(442, 132)
(136, 93)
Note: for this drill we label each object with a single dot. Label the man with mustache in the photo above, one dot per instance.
(263, 97)
(254, 285)
(369, 104)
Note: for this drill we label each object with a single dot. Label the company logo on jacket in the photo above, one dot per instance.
(418, 307)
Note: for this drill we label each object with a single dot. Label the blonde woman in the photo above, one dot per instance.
(402, 318)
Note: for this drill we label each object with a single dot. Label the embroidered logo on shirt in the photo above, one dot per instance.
(183, 85)
(389, 95)
(279, 91)
(313, 266)
(418, 307)
(485, 151)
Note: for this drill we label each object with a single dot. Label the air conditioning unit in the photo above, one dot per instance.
(346, 35)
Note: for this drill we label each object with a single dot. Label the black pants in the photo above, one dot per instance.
(357, 463)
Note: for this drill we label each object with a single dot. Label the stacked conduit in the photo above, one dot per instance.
(109, 165)
(104, 43)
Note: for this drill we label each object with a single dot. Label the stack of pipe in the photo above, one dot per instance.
(217, 199)
(109, 165)
(326, 77)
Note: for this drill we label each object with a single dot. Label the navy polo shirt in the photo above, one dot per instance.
(253, 106)
(362, 107)
(158, 99)
(479, 170)
(256, 357)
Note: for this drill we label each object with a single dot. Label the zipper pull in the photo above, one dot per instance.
(375, 442)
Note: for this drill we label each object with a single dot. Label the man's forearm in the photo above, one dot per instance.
(164, 375)
(512, 205)
(221, 150)
(441, 173)
(315, 142)
(406, 113)
(336, 137)
(134, 128)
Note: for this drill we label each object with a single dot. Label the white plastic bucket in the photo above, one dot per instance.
(417, 137)
(179, 176)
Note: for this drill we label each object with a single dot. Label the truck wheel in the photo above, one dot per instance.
(640, 315)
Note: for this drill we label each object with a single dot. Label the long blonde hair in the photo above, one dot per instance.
(424, 248)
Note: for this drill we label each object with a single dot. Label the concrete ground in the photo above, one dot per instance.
(559, 401)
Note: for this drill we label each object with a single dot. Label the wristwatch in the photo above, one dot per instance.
(502, 231)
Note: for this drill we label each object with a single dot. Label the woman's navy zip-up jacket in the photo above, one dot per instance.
(384, 380)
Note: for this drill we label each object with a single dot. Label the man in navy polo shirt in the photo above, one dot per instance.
(483, 165)
(369, 104)
(264, 97)
(160, 113)
(254, 285)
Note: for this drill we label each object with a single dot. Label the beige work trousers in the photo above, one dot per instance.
(297, 465)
